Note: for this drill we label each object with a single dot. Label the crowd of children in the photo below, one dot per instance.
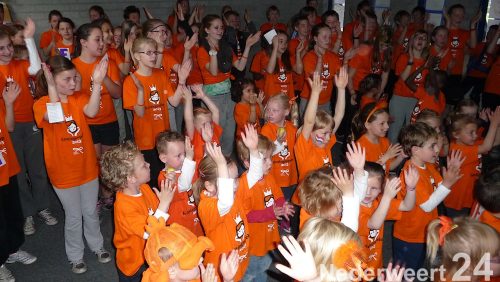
(338, 131)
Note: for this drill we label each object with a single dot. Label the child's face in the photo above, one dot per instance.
(332, 22)
(373, 190)
(117, 36)
(201, 119)
(143, 58)
(268, 161)
(141, 170)
(174, 155)
(107, 33)
(469, 110)
(321, 136)
(323, 38)
(457, 16)
(275, 113)
(404, 21)
(468, 134)
(303, 27)
(53, 21)
(428, 152)
(282, 43)
(160, 30)
(66, 31)
(94, 44)
(273, 16)
(6, 50)
(379, 126)
(248, 92)
(420, 41)
(441, 38)
(66, 82)
(94, 15)
(311, 18)
(18, 39)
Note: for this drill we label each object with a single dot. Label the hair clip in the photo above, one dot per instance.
(446, 227)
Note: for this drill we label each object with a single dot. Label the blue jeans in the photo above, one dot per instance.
(411, 255)
(257, 268)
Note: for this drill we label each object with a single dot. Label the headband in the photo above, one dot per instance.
(378, 106)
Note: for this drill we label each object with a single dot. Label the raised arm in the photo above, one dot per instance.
(10, 93)
(298, 68)
(312, 105)
(341, 82)
(212, 107)
(392, 187)
(271, 65)
(242, 62)
(183, 73)
(98, 77)
(188, 113)
(34, 58)
(139, 105)
(487, 144)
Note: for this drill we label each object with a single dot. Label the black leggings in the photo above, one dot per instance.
(11, 220)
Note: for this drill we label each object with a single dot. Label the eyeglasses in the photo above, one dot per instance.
(150, 53)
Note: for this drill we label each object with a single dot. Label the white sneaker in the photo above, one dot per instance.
(29, 226)
(22, 257)
(78, 267)
(6, 275)
(47, 217)
(103, 256)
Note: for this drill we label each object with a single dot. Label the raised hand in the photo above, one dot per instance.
(229, 265)
(301, 261)
(316, 83)
(342, 78)
(10, 93)
(100, 70)
(356, 155)
(215, 152)
(191, 42)
(250, 138)
(127, 45)
(392, 187)
(393, 151)
(184, 71)
(207, 132)
(208, 274)
(198, 91)
(29, 29)
(344, 181)
(252, 39)
(166, 192)
(411, 178)
(451, 175)
(455, 159)
(48, 75)
(393, 274)
(300, 48)
(189, 148)
(137, 82)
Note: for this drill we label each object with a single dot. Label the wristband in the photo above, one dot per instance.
(409, 63)
(355, 37)
(140, 105)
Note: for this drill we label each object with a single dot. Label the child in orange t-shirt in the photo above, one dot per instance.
(439, 49)
(324, 62)
(278, 77)
(258, 67)
(419, 142)
(370, 90)
(26, 136)
(11, 225)
(464, 136)
(70, 155)
(371, 125)
(124, 171)
(49, 38)
(65, 47)
(176, 152)
(429, 94)
(331, 19)
(273, 16)
(221, 205)
(248, 109)
(297, 47)
(265, 205)
(148, 93)
(202, 125)
(376, 208)
(486, 192)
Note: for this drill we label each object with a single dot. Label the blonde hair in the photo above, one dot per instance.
(325, 237)
(458, 122)
(323, 120)
(287, 104)
(318, 194)
(207, 171)
(469, 236)
(263, 146)
(117, 164)
(139, 42)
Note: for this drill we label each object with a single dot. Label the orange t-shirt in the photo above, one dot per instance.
(461, 195)
(284, 168)
(46, 38)
(261, 196)
(155, 120)
(485, 60)
(281, 82)
(298, 79)
(265, 27)
(168, 62)
(242, 116)
(17, 71)
(131, 215)
(8, 162)
(310, 157)
(427, 102)
(331, 65)
(182, 209)
(194, 76)
(400, 89)
(303, 217)
(372, 239)
(69, 152)
(397, 48)
(106, 112)
(116, 56)
(228, 232)
(375, 151)
(457, 39)
(63, 50)
(492, 86)
(490, 219)
(443, 61)
(362, 62)
(412, 225)
(208, 78)
(259, 65)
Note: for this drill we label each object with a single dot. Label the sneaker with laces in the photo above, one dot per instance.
(29, 226)
(78, 267)
(22, 257)
(103, 256)
(6, 275)
(47, 217)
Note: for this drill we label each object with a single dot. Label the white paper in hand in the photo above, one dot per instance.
(270, 35)
(55, 112)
